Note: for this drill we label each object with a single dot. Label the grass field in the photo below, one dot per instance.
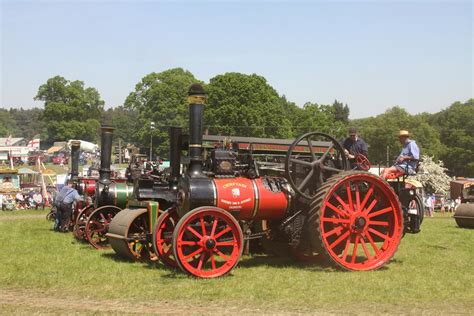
(46, 272)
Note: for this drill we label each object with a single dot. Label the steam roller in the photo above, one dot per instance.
(463, 188)
(130, 231)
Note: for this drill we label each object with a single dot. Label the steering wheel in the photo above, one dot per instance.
(312, 159)
(362, 162)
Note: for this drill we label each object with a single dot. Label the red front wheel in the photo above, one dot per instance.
(163, 236)
(358, 221)
(207, 242)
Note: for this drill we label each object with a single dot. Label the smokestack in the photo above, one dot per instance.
(175, 154)
(105, 154)
(196, 99)
(75, 146)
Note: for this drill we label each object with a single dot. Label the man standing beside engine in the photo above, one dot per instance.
(355, 146)
(63, 202)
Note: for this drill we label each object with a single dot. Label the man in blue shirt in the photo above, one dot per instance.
(63, 202)
(408, 158)
(354, 146)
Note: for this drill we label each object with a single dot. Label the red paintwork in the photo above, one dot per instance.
(249, 199)
(163, 237)
(368, 246)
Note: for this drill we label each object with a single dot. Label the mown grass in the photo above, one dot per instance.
(432, 271)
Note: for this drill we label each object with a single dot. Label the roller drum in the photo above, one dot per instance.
(464, 215)
(125, 240)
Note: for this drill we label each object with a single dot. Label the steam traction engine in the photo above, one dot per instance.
(350, 218)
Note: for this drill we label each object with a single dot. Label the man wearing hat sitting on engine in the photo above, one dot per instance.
(354, 146)
(407, 160)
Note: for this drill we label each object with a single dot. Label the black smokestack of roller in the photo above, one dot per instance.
(175, 154)
(75, 146)
(196, 99)
(105, 154)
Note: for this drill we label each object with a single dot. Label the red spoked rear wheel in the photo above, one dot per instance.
(163, 237)
(81, 221)
(358, 221)
(207, 242)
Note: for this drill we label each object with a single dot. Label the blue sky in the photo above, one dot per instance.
(371, 55)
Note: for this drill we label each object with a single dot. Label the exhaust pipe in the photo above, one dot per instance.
(196, 99)
(105, 154)
(175, 154)
(75, 146)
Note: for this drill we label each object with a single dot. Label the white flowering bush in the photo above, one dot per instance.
(433, 175)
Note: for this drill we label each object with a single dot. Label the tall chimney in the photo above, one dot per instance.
(175, 154)
(75, 146)
(196, 99)
(105, 154)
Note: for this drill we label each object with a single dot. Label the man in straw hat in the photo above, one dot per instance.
(408, 158)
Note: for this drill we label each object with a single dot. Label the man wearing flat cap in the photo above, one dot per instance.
(408, 158)
(354, 146)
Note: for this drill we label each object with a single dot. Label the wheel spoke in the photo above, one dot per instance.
(311, 150)
(222, 232)
(192, 230)
(186, 243)
(327, 168)
(337, 229)
(366, 251)
(214, 225)
(371, 206)
(192, 254)
(338, 241)
(203, 226)
(323, 157)
(213, 261)
(378, 223)
(336, 220)
(220, 254)
(201, 261)
(346, 249)
(225, 243)
(349, 195)
(344, 205)
(357, 197)
(371, 241)
(354, 251)
(304, 183)
(380, 212)
(301, 162)
(375, 232)
(335, 209)
(367, 196)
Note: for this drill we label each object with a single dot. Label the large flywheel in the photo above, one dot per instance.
(357, 220)
(311, 160)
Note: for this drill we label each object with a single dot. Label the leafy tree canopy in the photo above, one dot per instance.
(246, 105)
(70, 109)
(160, 98)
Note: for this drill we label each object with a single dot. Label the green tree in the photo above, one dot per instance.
(246, 105)
(341, 112)
(456, 127)
(70, 109)
(160, 98)
(28, 122)
(7, 124)
(381, 131)
(125, 122)
(318, 118)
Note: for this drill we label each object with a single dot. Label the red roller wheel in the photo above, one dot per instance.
(207, 242)
(163, 236)
(358, 221)
(81, 221)
(97, 226)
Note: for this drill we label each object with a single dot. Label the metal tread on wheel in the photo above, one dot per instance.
(357, 220)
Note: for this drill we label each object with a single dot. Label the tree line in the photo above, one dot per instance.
(237, 104)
